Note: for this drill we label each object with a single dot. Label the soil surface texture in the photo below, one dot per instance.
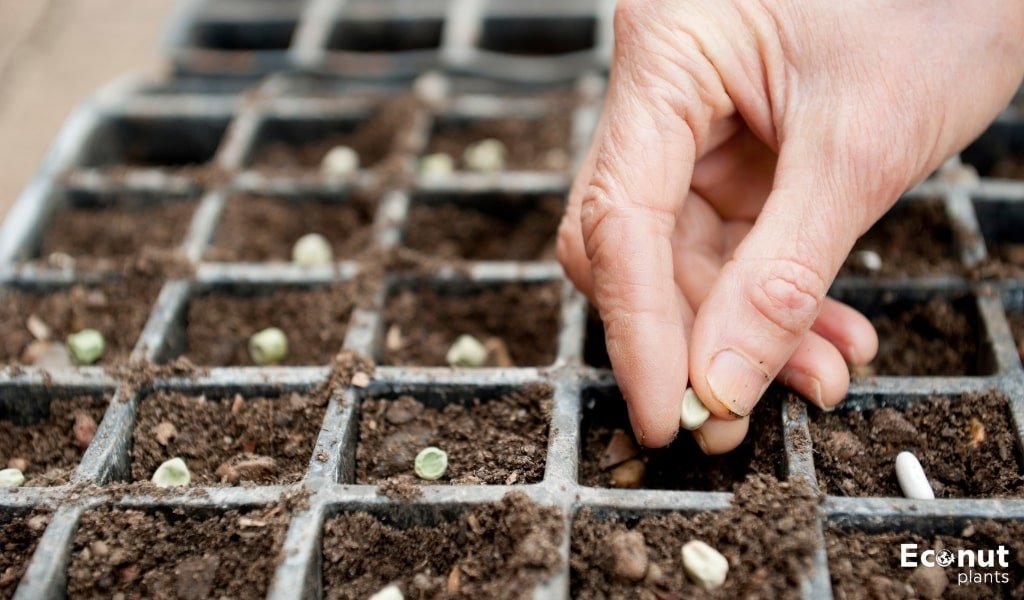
(175, 554)
(264, 229)
(613, 458)
(230, 440)
(498, 440)
(768, 537)
(423, 323)
(938, 337)
(315, 320)
(486, 228)
(498, 550)
(530, 144)
(916, 239)
(966, 445)
(21, 534)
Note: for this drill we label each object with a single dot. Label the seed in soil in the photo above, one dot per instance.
(268, 346)
(11, 478)
(172, 473)
(607, 461)
(497, 549)
(485, 156)
(854, 449)
(153, 142)
(429, 318)
(437, 165)
(312, 250)
(86, 346)
(228, 440)
(491, 435)
(175, 553)
(431, 463)
(391, 592)
(692, 413)
(704, 565)
(20, 533)
(467, 351)
(45, 438)
(530, 144)
(340, 161)
(484, 226)
(220, 323)
(911, 477)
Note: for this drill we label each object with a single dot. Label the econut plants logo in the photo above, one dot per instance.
(971, 566)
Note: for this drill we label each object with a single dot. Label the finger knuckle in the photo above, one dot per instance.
(787, 294)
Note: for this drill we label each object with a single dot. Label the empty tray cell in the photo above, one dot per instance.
(538, 36)
(485, 227)
(966, 444)
(230, 439)
(531, 144)
(496, 550)
(264, 228)
(122, 226)
(915, 238)
(21, 532)
(611, 456)
(44, 435)
(314, 319)
(491, 436)
(999, 152)
(35, 321)
(867, 559)
(1002, 225)
(179, 553)
(154, 141)
(919, 335)
(386, 35)
(768, 536)
(595, 351)
(241, 36)
(517, 322)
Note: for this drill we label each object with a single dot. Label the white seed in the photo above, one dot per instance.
(870, 260)
(86, 346)
(431, 88)
(312, 250)
(693, 413)
(268, 346)
(172, 473)
(11, 478)
(704, 565)
(340, 161)
(437, 164)
(486, 155)
(431, 463)
(467, 351)
(913, 481)
(390, 592)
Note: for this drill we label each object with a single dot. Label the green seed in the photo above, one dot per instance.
(86, 346)
(11, 478)
(268, 346)
(172, 473)
(431, 463)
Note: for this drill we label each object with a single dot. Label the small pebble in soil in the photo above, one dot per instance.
(390, 592)
(431, 463)
(438, 164)
(86, 346)
(485, 156)
(929, 582)
(977, 432)
(172, 473)
(693, 412)
(627, 555)
(84, 429)
(254, 468)
(164, 432)
(340, 161)
(312, 250)
(870, 260)
(911, 477)
(629, 475)
(620, 448)
(18, 463)
(467, 351)
(268, 346)
(704, 565)
(11, 478)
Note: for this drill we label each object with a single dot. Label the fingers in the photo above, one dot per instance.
(717, 436)
(848, 330)
(817, 371)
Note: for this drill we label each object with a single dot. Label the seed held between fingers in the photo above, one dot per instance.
(693, 413)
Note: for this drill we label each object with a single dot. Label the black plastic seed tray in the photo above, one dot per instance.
(143, 138)
(517, 39)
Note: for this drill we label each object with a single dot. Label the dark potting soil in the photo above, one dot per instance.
(498, 550)
(682, 465)
(867, 565)
(228, 440)
(51, 447)
(966, 445)
(524, 317)
(175, 554)
(916, 239)
(315, 320)
(118, 229)
(263, 229)
(499, 228)
(1008, 168)
(530, 144)
(595, 351)
(117, 309)
(21, 534)
(938, 337)
(496, 440)
(768, 536)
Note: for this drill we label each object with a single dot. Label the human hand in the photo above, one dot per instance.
(743, 148)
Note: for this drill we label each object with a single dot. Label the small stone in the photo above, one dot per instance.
(977, 432)
(86, 346)
(467, 351)
(628, 475)
(403, 410)
(84, 429)
(654, 574)
(312, 250)
(172, 473)
(620, 448)
(704, 565)
(164, 432)
(497, 353)
(487, 156)
(692, 413)
(890, 425)
(360, 380)
(238, 404)
(38, 328)
(929, 582)
(268, 346)
(431, 463)
(627, 555)
(390, 592)
(340, 161)
(844, 444)
(393, 340)
(250, 469)
(47, 355)
(99, 548)
(454, 583)
(17, 463)
(437, 165)
(11, 478)
(38, 522)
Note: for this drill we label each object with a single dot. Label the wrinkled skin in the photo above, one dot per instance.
(743, 148)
